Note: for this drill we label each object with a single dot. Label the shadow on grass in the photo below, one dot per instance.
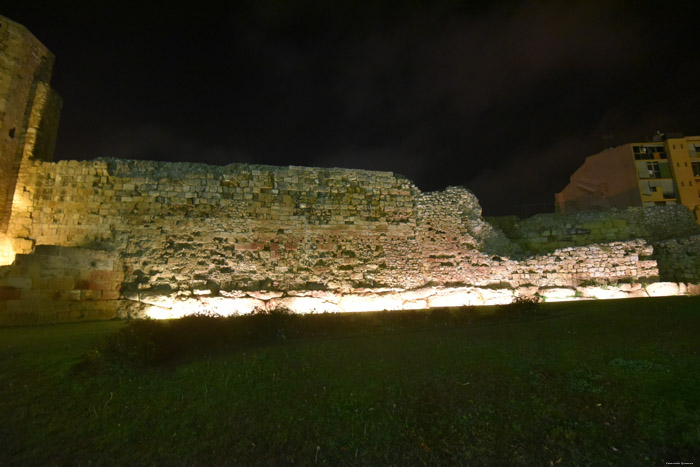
(145, 343)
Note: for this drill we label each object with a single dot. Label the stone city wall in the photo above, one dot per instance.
(64, 284)
(679, 258)
(191, 231)
(57, 284)
(105, 238)
(547, 232)
(29, 108)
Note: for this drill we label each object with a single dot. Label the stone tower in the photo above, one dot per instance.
(29, 108)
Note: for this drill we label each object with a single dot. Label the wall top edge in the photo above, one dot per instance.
(119, 166)
(28, 35)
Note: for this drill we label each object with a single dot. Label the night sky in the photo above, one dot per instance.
(505, 98)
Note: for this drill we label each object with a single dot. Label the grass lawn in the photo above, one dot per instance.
(584, 383)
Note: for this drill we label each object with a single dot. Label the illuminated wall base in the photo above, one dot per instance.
(7, 253)
(168, 307)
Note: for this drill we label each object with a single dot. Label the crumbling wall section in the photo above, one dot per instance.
(547, 232)
(222, 228)
(238, 237)
(679, 258)
(196, 229)
(97, 239)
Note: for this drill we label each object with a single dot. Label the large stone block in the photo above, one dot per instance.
(304, 305)
(9, 293)
(19, 282)
(371, 302)
(603, 292)
(557, 293)
(662, 289)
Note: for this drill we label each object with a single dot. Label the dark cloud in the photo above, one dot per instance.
(161, 144)
(506, 98)
(384, 159)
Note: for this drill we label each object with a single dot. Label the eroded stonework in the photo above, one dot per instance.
(184, 232)
(29, 108)
(110, 237)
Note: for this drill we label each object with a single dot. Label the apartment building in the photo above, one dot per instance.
(665, 170)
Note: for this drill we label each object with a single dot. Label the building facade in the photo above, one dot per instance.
(661, 172)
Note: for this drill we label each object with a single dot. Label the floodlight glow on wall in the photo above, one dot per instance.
(173, 308)
(438, 297)
(7, 253)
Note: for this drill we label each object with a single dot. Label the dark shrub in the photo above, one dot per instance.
(139, 342)
(152, 342)
(523, 305)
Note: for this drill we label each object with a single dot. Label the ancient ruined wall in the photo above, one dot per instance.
(42, 127)
(547, 232)
(29, 108)
(234, 238)
(223, 227)
(106, 238)
(196, 229)
(58, 284)
(679, 258)
(178, 236)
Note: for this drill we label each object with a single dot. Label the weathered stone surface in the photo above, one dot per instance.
(526, 291)
(662, 289)
(29, 108)
(265, 295)
(161, 249)
(546, 232)
(304, 305)
(605, 293)
(107, 237)
(208, 230)
(557, 294)
(417, 294)
(629, 287)
(10, 293)
(496, 296)
(59, 284)
(191, 232)
(371, 302)
(679, 258)
(454, 297)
